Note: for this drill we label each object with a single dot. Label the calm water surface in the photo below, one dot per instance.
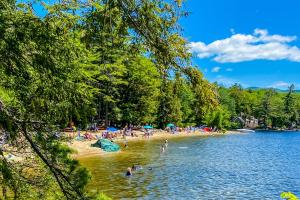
(253, 166)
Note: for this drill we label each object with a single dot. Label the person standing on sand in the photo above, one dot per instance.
(147, 134)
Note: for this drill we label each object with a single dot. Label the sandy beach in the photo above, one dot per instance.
(85, 149)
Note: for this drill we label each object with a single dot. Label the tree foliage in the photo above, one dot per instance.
(271, 108)
(288, 196)
(113, 62)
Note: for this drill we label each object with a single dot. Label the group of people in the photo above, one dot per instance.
(89, 136)
(127, 131)
(175, 129)
(148, 133)
(110, 135)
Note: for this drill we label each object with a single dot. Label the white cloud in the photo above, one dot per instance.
(247, 47)
(280, 84)
(229, 69)
(215, 69)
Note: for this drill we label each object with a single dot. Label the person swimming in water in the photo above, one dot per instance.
(136, 167)
(129, 172)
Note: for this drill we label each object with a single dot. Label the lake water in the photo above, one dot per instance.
(251, 166)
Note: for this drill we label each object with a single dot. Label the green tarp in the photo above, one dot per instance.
(107, 145)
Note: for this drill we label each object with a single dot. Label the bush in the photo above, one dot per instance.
(288, 196)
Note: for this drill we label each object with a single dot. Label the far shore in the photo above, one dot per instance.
(85, 149)
(278, 130)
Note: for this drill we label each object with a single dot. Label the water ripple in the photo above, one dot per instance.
(254, 166)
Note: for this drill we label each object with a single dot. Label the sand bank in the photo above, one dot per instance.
(85, 148)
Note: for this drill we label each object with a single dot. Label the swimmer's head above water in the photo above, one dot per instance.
(129, 171)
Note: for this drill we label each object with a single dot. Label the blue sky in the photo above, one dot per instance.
(254, 43)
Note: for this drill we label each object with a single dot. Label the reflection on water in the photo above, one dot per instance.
(253, 166)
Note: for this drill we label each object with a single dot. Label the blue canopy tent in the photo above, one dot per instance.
(112, 129)
(170, 125)
(148, 127)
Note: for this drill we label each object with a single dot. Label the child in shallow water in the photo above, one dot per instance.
(129, 172)
(166, 143)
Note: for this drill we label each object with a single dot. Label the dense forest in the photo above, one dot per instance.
(271, 109)
(109, 62)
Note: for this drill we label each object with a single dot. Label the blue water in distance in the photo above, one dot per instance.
(249, 166)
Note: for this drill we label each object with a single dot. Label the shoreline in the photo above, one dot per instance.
(278, 130)
(84, 149)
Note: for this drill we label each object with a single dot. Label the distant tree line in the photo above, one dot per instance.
(272, 109)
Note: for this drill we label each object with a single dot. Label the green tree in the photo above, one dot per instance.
(169, 109)
(227, 101)
(218, 119)
(37, 61)
(266, 107)
(187, 100)
(139, 98)
(289, 107)
(205, 94)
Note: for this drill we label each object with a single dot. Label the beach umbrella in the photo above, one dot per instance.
(148, 127)
(170, 125)
(112, 129)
